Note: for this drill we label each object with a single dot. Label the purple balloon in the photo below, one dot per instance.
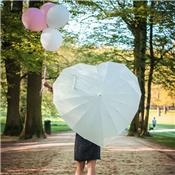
(34, 19)
(45, 7)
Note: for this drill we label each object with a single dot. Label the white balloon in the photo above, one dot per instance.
(57, 16)
(51, 39)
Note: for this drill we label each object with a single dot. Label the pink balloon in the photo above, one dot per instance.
(45, 7)
(34, 20)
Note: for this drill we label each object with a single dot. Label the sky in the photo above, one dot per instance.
(102, 31)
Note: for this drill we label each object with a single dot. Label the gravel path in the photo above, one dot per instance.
(54, 156)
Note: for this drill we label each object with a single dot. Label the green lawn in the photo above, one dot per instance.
(163, 138)
(163, 126)
(59, 128)
(57, 124)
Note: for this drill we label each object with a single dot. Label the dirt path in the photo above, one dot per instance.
(54, 156)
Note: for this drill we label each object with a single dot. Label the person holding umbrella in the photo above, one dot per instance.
(98, 102)
(84, 151)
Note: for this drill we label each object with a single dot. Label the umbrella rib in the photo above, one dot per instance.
(121, 102)
(110, 116)
(123, 80)
(87, 76)
(74, 110)
(82, 115)
(84, 91)
(120, 113)
(87, 111)
(69, 98)
(123, 118)
(102, 127)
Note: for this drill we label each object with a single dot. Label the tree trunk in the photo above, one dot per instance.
(150, 77)
(139, 32)
(33, 121)
(13, 124)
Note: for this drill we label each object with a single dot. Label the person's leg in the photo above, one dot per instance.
(79, 167)
(91, 167)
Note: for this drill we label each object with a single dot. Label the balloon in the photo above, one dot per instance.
(57, 16)
(34, 20)
(51, 39)
(45, 7)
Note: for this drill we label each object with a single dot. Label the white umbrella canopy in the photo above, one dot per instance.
(98, 102)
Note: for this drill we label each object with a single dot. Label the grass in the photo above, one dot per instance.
(163, 138)
(163, 126)
(57, 124)
(165, 121)
(59, 128)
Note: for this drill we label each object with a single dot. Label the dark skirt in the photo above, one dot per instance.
(85, 150)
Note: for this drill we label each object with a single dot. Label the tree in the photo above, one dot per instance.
(11, 11)
(164, 45)
(33, 121)
(138, 26)
(160, 50)
(135, 16)
(150, 76)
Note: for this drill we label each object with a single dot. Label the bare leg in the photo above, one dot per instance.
(91, 167)
(80, 167)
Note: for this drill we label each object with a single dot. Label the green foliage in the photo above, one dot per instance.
(164, 48)
(48, 107)
(3, 87)
(95, 55)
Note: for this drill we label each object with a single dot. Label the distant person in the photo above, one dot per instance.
(154, 122)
